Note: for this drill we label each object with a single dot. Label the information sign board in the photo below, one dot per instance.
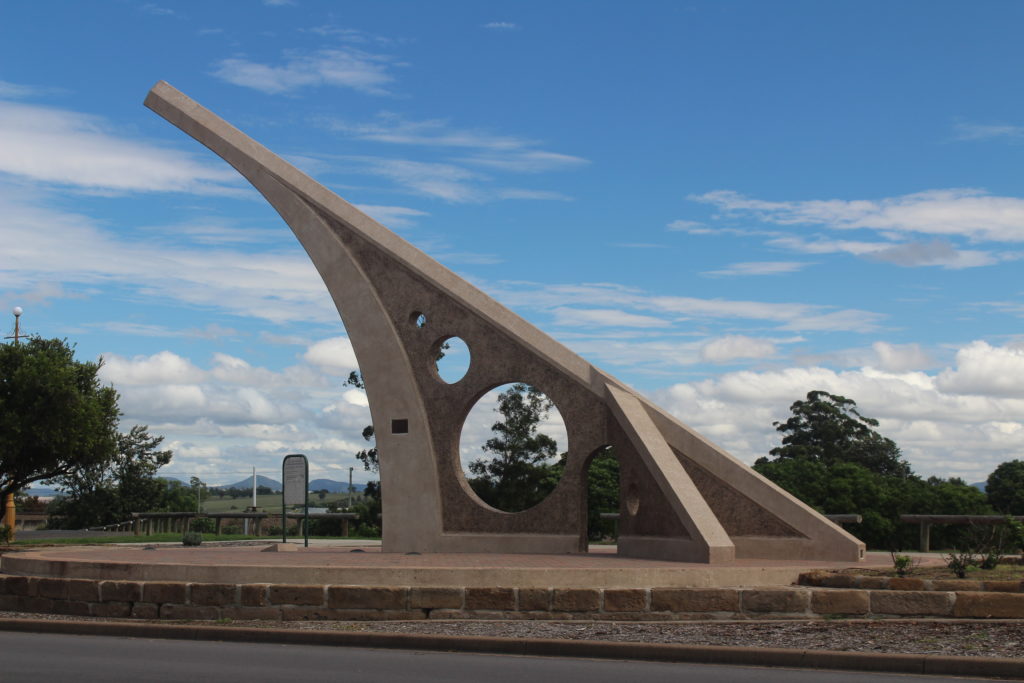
(295, 476)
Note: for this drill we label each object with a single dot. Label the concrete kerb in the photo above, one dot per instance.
(589, 649)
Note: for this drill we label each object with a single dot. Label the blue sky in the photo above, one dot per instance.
(725, 204)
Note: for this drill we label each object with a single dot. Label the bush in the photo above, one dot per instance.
(203, 525)
(232, 529)
(192, 538)
(5, 534)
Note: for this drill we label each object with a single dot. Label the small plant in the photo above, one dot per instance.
(961, 562)
(903, 564)
(192, 538)
(991, 559)
(6, 534)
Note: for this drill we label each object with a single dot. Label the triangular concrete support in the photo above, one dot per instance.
(682, 497)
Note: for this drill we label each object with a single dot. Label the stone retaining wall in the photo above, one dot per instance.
(907, 583)
(206, 601)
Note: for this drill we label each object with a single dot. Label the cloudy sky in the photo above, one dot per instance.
(726, 204)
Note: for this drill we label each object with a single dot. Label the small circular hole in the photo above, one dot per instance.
(418, 319)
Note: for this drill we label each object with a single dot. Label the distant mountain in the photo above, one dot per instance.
(246, 484)
(333, 486)
(981, 485)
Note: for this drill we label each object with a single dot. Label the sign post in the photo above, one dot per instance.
(295, 491)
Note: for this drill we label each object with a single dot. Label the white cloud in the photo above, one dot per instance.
(693, 227)
(787, 316)
(970, 213)
(47, 245)
(501, 25)
(899, 357)
(735, 346)
(941, 430)
(759, 268)
(161, 368)
(987, 371)
(340, 67)
(68, 148)
(604, 317)
(334, 356)
(975, 131)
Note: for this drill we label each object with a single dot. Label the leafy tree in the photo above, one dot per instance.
(55, 417)
(519, 475)
(1005, 488)
(833, 460)
(829, 429)
(109, 493)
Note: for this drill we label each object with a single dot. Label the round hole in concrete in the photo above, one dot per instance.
(451, 359)
(418, 319)
(511, 446)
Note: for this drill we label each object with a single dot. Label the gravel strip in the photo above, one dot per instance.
(924, 637)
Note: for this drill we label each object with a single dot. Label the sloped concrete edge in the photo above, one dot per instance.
(535, 647)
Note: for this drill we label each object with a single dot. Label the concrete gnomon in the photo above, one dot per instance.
(681, 497)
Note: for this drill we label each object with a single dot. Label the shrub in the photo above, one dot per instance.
(903, 564)
(203, 525)
(961, 562)
(192, 538)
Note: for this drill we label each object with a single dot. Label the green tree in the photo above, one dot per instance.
(1005, 488)
(832, 459)
(367, 456)
(829, 429)
(109, 493)
(55, 416)
(519, 473)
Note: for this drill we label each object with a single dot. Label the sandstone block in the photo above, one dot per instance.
(775, 600)
(840, 601)
(366, 597)
(85, 590)
(254, 595)
(956, 585)
(213, 594)
(120, 591)
(839, 581)
(988, 605)
(52, 588)
(284, 594)
(145, 610)
(879, 583)
(534, 599)
(111, 609)
(72, 607)
(435, 598)
(31, 603)
(907, 583)
(20, 585)
(996, 586)
(695, 600)
(161, 592)
(932, 603)
(625, 600)
(490, 598)
(576, 600)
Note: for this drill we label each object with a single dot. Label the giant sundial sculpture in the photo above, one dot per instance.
(682, 497)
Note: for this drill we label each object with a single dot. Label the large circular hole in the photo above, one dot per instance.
(452, 357)
(512, 447)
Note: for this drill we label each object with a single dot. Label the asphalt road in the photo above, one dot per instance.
(48, 657)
